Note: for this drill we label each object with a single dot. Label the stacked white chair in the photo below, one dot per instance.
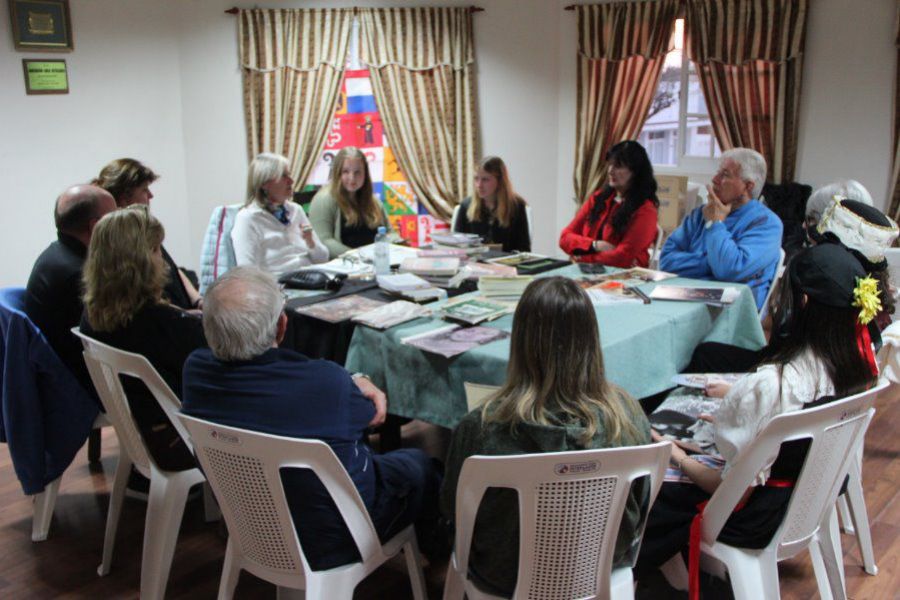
(168, 490)
(570, 508)
(243, 468)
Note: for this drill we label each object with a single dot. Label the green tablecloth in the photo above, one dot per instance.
(644, 345)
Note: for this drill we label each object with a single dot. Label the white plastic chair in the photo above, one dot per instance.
(851, 506)
(45, 502)
(168, 490)
(454, 218)
(836, 431)
(243, 468)
(657, 246)
(779, 272)
(569, 553)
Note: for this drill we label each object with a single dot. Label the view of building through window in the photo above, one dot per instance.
(678, 123)
(357, 122)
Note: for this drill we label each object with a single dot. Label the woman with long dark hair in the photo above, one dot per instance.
(617, 225)
(826, 353)
(556, 398)
(495, 212)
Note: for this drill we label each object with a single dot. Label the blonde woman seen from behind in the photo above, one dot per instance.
(556, 398)
(271, 231)
(345, 213)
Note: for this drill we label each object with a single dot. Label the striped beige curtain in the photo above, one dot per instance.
(622, 47)
(749, 56)
(895, 172)
(292, 63)
(421, 63)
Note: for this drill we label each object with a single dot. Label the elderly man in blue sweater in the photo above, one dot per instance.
(733, 237)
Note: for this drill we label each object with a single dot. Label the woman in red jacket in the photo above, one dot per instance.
(617, 224)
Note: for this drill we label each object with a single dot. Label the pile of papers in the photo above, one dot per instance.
(409, 286)
(437, 271)
(340, 309)
(475, 310)
(397, 253)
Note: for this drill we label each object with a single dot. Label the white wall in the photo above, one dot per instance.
(124, 100)
(160, 81)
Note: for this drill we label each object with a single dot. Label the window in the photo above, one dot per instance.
(357, 122)
(678, 132)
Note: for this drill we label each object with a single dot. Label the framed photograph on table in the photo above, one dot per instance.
(41, 25)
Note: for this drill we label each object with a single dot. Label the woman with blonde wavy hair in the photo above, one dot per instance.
(124, 276)
(345, 213)
(495, 212)
(556, 398)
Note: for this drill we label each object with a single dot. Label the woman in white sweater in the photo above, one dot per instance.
(271, 231)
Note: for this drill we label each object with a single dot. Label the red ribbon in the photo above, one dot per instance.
(864, 345)
(694, 540)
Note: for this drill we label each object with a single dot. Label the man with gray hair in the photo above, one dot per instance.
(53, 294)
(245, 380)
(733, 237)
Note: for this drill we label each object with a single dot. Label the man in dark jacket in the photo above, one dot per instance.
(53, 295)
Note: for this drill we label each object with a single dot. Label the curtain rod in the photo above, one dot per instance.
(235, 10)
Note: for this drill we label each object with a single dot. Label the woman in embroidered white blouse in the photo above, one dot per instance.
(271, 231)
(825, 303)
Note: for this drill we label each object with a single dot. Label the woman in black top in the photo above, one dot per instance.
(124, 307)
(495, 212)
(128, 180)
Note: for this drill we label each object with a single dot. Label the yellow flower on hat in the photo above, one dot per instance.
(865, 297)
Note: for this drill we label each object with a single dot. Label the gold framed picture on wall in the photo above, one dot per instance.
(41, 25)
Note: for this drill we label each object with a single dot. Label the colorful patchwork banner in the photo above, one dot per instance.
(357, 122)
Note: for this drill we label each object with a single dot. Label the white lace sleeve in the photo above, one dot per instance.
(889, 355)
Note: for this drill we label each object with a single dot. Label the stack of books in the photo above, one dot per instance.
(475, 310)
(456, 240)
(409, 286)
(437, 271)
(503, 287)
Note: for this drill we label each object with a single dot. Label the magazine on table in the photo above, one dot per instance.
(340, 309)
(393, 313)
(430, 267)
(514, 260)
(454, 339)
(631, 277)
(713, 296)
(475, 310)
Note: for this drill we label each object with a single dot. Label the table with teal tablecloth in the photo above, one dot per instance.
(644, 345)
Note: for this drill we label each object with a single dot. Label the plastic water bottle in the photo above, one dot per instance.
(382, 253)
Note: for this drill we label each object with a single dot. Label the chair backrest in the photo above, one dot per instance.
(217, 252)
(530, 221)
(657, 245)
(243, 469)
(106, 364)
(454, 218)
(835, 431)
(893, 260)
(570, 508)
(779, 272)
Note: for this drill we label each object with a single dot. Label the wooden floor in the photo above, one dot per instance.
(66, 564)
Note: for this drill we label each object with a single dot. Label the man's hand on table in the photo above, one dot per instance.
(371, 391)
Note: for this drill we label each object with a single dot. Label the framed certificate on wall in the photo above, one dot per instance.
(41, 25)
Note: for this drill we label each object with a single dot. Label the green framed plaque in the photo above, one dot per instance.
(41, 25)
(45, 76)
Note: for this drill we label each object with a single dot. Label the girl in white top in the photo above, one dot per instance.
(271, 231)
(825, 303)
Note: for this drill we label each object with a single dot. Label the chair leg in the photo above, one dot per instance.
(455, 585)
(44, 503)
(231, 572)
(284, 593)
(94, 446)
(414, 565)
(860, 519)
(120, 480)
(844, 512)
(676, 573)
(752, 579)
(168, 495)
(825, 552)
